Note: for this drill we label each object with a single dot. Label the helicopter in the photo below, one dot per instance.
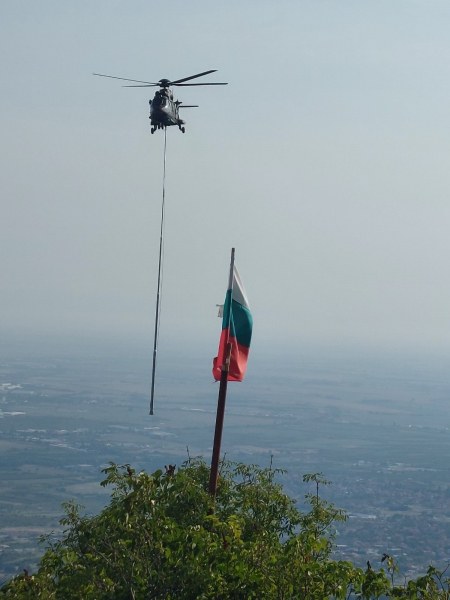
(164, 110)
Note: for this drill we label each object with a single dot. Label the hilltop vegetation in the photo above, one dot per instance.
(162, 537)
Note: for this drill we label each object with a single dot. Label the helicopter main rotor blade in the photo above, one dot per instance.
(192, 84)
(189, 105)
(143, 85)
(149, 83)
(176, 81)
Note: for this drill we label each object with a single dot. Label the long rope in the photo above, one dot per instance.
(160, 274)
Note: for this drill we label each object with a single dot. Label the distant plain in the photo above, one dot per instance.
(377, 424)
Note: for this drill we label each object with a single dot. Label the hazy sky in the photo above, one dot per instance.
(325, 162)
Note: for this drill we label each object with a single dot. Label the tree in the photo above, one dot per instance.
(163, 537)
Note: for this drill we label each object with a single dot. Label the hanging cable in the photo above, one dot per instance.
(160, 276)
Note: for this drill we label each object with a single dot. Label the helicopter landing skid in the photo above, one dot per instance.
(159, 126)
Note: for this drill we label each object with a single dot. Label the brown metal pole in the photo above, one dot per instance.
(219, 423)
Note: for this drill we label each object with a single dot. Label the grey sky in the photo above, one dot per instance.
(325, 162)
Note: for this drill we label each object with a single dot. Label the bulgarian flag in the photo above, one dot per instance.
(237, 326)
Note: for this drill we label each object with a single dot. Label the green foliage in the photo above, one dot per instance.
(163, 537)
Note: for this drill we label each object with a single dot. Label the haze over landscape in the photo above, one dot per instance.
(324, 162)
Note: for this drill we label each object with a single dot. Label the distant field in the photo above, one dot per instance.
(377, 428)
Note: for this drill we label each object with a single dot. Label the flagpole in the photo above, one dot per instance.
(222, 397)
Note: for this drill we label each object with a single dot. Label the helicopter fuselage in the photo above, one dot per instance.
(164, 111)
